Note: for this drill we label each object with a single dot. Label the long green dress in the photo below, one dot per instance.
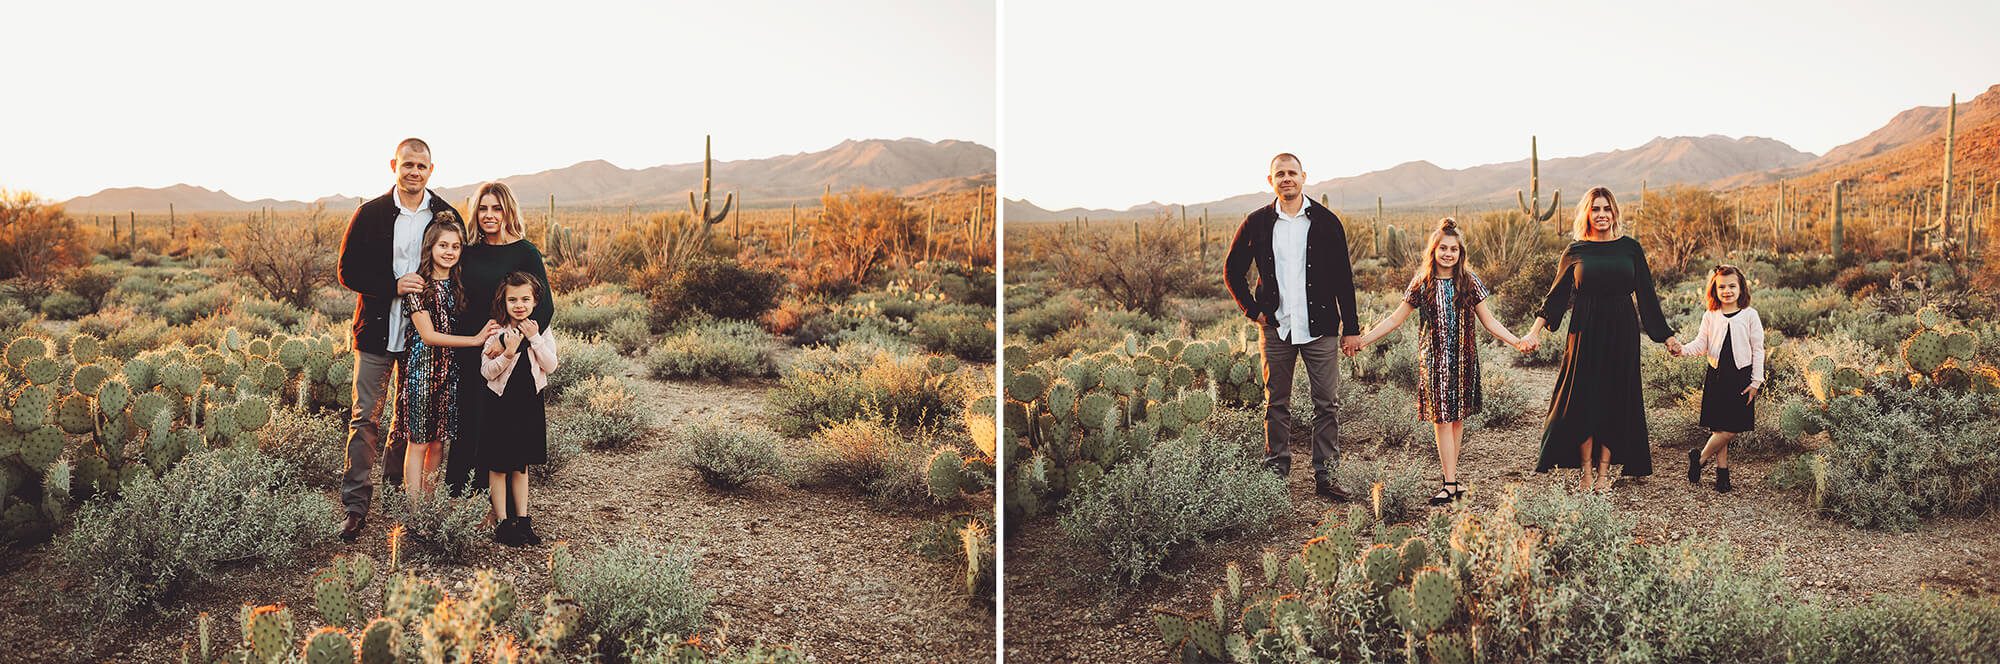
(1597, 393)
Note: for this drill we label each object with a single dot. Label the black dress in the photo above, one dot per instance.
(514, 431)
(483, 266)
(1597, 394)
(1723, 406)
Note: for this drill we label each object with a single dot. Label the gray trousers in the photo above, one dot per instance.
(1322, 360)
(364, 431)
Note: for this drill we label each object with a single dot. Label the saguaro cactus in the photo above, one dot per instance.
(1531, 203)
(1833, 239)
(1950, 132)
(701, 211)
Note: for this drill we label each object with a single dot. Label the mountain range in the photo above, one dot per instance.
(909, 166)
(1715, 161)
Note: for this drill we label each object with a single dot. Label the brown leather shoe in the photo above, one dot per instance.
(352, 530)
(1328, 490)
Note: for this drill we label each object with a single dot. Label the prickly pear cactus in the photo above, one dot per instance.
(328, 645)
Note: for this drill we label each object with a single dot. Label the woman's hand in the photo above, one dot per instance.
(1674, 346)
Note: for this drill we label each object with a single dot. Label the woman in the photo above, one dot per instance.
(498, 247)
(1597, 415)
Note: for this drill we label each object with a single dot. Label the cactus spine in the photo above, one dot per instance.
(1531, 204)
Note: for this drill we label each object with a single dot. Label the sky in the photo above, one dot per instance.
(1108, 105)
(296, 101)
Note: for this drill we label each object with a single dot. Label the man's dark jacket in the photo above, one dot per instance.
(367, 266)
(1329, 273)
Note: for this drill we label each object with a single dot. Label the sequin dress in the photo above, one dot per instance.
(1447, 352)
(427, 403)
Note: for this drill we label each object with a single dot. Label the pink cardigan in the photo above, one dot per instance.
(1746, 341)
(542, 361)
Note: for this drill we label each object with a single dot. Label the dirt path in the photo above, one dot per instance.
(827, 572)
(1055, 614)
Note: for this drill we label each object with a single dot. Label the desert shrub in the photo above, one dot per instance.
(962, 330)
(214, 506)
(1383, 414)
(315, 444)
(1505, 400)
(1176, 495)
(826, 386)
(727, 455)
(592, 311)
(1682, 229)
(1897, 455)
(566, 440)
(628, 335)
(944, 539)
(1136, 270)
(1041, 320)
(1406, 486)
(444, 524)
(1804, 271)
(631, 590)
(288, 260)
(1546, 572)
(858, 233)
(719, 288)
(604, 413)
(580, 361)
(1518, 296)
(865, 453)
(273, 314)
(1665, 377)
(1091, 336)
(13, 315)
(38, 241)
(125, 332)
(64, 305)
(185, 308)
(721, 349)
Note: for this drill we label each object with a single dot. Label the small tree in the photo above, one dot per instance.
(1137, 272)
(864, 230)
(288, 259)
(37, 241)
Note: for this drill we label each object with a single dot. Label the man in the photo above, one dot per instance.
(384, 239)
(1304, 297)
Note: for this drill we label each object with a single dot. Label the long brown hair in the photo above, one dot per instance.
(1742, 287)
(510, 213)
(515, 278)
(426, 264)
(1465, 281)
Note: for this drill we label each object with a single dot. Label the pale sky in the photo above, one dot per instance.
(1108, 105)
(301, 100)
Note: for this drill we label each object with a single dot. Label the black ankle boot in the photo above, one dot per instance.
(1694, 466)
(1722, 480)
(507, 532)
(525, 530)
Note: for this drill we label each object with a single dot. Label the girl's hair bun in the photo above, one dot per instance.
(1447, 224)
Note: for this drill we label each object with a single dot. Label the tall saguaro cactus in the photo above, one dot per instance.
(1833, 239)
(1531, 203)
(701, 211)
(1950, 133)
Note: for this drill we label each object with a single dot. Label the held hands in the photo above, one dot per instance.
(1674, 346)
(1529, 343)
(409, 283)
(1350, 345)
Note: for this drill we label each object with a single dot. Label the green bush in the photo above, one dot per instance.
(633, 591)
(64, 305)
(1406, 486)
(1667, 378)
(1178, 494)
(865, 453)
(728, 455)
(719, 288)
(1898, 455)
(825, 386)
(1547, 572)
(580, 361)
(565, 443)
(595, 310)
(1506, 401)
(720, 349)
(214, 506)
(628, 335)
(603, 413)
(444, 523)
(962, 330)
(315, 444)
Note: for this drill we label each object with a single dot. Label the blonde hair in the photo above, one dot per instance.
(510, 213)
(1581, 226)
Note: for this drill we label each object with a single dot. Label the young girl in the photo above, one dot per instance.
(427, 404)
(1732, 336)
(514, 427)
(1449, 296)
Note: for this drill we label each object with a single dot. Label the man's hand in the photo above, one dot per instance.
(1350, 345)
(409, 283)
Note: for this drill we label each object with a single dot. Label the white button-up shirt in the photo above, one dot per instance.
(406, 250)
(1288, 248)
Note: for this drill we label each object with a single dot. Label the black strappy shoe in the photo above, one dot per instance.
(1447, 494)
